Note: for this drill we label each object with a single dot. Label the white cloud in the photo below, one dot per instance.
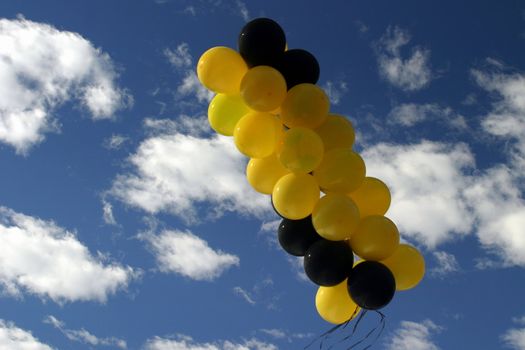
(410, 114)
(409, 74)
(427, 182)
(335, 91)
(41, 68)
(446, 264)
(41, 258)
(14, 338)
(500, 208)
(515, 337)
(176, 173)
(188, 255)
(438, 195)
(414, 336)
(83, 336)
(506, 120)
(182, 342)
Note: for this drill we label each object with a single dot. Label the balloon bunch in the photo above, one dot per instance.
(268, 100)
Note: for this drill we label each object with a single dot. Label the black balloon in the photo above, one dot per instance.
(296, 236)
(262, 42)
(298, 66)
(371, 285)
(328, 263)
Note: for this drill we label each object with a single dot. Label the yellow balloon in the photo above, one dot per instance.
(221, 70)
(256, 134)
(294, 196)
(263, 173)
(408, 266)
(225, 111)
(376, 238)
(263, 88)
(334, 304)
(305, 105)
(300, 150)
(341, 171)
(372, 197)
(335, 217)
(336, 132)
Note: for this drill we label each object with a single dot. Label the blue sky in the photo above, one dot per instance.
(126, 223)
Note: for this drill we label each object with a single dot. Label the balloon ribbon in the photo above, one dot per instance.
(326, 335)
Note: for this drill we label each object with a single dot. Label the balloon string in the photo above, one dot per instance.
(323, 337)
(381, 327)
(353, 330)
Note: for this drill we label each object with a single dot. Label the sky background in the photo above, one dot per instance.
(126, 223)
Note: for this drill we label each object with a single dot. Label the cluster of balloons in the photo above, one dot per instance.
(268, 100)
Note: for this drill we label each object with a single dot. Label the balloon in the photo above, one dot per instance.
(221, 69)
(334, 304)
(376, 238)
(295, 195)
(408, 266)
(300, 150)
(263, 88)
(261, 42)
(341, 170)
(256, 134)
(335, 217)
(296, 236)
(225, 111)
(328, 263)
(372, 197)
(371, 285)
(298, 66)
(305, 105)
(336, 132)
(263, 173)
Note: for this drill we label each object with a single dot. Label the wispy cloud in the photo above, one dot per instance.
(412, 114)
(262, 292)
(83, 336)
(43, 68)
(184, 342)
(335, 90)
(411, 73)
(446, 264)
(115, 142)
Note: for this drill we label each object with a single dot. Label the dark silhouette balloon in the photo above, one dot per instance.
(298, 66)
(328, 263)
(371, 285)
(262, 42)
(296, 236)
